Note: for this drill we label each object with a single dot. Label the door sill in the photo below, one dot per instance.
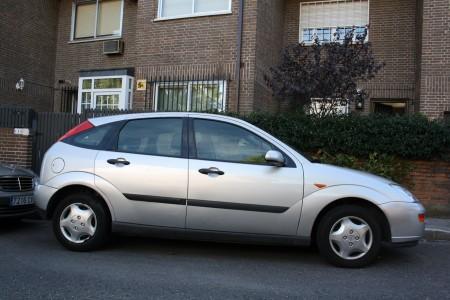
(209, 235)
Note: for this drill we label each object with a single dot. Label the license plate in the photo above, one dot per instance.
(21, 200)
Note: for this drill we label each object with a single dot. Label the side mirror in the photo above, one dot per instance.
(275, 158)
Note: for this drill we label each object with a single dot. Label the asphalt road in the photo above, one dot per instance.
(34, 266)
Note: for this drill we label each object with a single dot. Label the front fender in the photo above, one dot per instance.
(84, 179)
(315, 202)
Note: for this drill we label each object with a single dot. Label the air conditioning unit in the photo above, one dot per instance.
(113, 47)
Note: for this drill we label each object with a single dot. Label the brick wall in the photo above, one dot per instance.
(169, 47)
(393, 33)
(71, 58)
(269, 44)
(435, 59)
(430, 182)
(15, 149)
(27, 50)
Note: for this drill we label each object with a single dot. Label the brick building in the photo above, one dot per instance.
(197, 54)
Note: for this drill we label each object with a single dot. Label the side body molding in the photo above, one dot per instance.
(315, 202)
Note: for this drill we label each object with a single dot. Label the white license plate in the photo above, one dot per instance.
(21, 200)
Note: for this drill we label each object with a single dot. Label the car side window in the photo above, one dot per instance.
(215, 140)
(93, 138)
(158, 136)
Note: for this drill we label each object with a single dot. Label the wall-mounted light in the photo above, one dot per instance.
(20, 84)
(360, 96)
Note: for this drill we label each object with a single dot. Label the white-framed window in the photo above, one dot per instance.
(105, 92)
(96, 19)
(173, 9)
(322, 19)
(191, 96)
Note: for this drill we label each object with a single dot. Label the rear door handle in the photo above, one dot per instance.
(116, 161)
(211, 171)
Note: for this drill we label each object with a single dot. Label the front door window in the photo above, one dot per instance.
(225, 142)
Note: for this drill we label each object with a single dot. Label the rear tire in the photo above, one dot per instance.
(349, 236)
(81, 222)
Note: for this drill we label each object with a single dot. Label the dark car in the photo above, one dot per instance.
(16, 192)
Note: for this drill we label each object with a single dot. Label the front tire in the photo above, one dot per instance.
(349, 236)
(81, 222)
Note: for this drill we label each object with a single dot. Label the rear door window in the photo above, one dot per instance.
(157, 136)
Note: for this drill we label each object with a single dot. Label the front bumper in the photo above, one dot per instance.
(7, 211)
(403, 218)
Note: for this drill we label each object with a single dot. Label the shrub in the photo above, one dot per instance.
(404, 137)
(380, 164)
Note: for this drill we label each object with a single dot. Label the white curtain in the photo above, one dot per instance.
(334, 14)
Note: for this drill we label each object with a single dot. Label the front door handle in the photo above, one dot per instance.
(116, 161)
(211, 171)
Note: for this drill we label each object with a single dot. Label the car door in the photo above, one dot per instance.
(148, 171)
(233, 189)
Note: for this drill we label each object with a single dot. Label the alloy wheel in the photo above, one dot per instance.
(351, 238)
(78, 223)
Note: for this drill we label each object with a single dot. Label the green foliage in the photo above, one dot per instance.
(404, 137)
(377, 144)
(380, 164)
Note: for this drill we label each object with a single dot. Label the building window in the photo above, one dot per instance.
(170, 9)
(447, 116)
(390, 106)
(323, 107)
(96, 19)
(331, 20)
(191, 96)
(106, 92)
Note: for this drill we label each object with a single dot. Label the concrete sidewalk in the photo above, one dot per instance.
(437, 229)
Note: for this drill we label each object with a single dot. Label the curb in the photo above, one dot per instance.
(436, 234)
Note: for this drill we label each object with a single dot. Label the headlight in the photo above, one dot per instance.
(404, 192)
(35, 182)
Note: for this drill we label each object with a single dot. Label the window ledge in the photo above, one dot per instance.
(219, 13)
(90, 40)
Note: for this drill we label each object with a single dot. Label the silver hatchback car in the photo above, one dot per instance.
(215, 177)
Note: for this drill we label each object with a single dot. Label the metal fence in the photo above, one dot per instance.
(48, 127)
(16, 117)
(68, 98)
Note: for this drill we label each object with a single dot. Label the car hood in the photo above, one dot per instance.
(335, 175)
(12, 170)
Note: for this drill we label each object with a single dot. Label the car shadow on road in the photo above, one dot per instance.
(141, 245)
(144, 245)
(13, 225)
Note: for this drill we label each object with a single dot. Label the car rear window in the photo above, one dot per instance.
(94, 138)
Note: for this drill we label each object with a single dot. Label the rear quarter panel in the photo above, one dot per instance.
(63, 158)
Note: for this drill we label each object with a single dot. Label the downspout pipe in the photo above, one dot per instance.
(239, 53)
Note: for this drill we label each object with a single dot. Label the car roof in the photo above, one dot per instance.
(109, 119)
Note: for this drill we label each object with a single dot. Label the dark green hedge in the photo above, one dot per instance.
(409, 137)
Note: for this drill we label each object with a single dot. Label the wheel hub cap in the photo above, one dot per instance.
(78, 223)
(351, 238)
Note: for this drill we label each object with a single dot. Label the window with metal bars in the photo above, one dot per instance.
(331, 20)
(191, 96)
